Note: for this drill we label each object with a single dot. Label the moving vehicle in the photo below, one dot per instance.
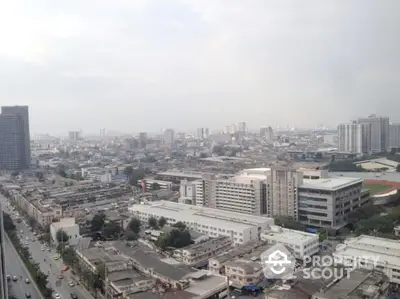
(15, 278)
(28, 295)
(73, 296)
(71, 283)
(27, 280)
(55, 257)
(56, 296)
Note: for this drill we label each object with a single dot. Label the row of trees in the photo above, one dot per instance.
(33, 267)
(107, 228)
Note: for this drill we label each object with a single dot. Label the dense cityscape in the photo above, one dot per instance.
(194, 215)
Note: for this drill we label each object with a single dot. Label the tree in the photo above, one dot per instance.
(128, 171)
(14, 173)
(8, 223)
(134, 225)
(97, 222)
(289, 222)
(175, 238)
(203, 155)
(111, 229)
(62, 236)
(153, 222)
(130, 236)
(180, 225)
(398, 168)
(69, 257)
(162, 222)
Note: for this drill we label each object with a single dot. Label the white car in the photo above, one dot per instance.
(42, 249)
(71, 283)
(56, 296)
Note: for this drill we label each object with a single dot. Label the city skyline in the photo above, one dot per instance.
(137, 66)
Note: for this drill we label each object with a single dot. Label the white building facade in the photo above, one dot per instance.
(303, 244)
(373, 253)
(69, 226)
(239, 227)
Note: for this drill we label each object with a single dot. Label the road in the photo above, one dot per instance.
(15, 266)
(50, 266)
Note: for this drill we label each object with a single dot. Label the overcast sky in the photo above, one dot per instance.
(143, 65)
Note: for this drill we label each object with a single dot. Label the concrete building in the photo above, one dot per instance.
(244, 193)
(267, 133)
(239, 227)
(379, 127)
(74, 136)
(203, 133)
(187, 191)
(197, 255)
(394, 135)
(15, 150)
(242, 127)
(355, 137)
(243, 272)
(69, 226)
(379, 254)
(303, 244)
(169, 136)
(283, 184)
(327, 202)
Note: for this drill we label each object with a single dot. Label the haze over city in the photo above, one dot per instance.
(145, 65)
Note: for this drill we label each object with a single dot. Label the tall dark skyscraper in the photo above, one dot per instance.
(15, 144)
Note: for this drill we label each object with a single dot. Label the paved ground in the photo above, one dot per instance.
(51, 266)
(15, 266)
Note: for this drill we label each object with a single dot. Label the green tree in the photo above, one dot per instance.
(69, 257)
(134, 225)
(8, 223)
(62, 236)
(111, 230)
(153, 222)
(398, 168)
(128, 171)
(130, 236)
(162, 222)
(289, 222)
(98, 222)
(175, 238)
(180, 225)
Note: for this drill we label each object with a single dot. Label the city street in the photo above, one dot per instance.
(49, 265)
(16, 267)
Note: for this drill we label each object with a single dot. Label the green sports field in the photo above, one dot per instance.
(376, 188)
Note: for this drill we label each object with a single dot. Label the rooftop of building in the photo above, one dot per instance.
(386, 250)
(289, 235)
(361, 284)
(64, 222)
(330, 184)
(248, 266)
(203, 215)
(209, 244)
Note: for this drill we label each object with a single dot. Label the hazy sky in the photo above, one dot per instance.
(143, 65)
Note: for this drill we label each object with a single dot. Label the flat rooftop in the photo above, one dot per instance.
(194, 175)
(197, 214)
(386, 250)
(290, 235)
(330, 184)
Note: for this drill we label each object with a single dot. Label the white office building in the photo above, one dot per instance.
(327, 202)
(355, 137)
(239, 227)
(394, 135)
(303, 244)
(373, 253)
(245, 192)
(379, 131)
(69, 226)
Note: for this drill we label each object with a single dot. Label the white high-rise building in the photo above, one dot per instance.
(203, 133)
(379, 127)
(354, 137)
(169, 136)
(394, 135)
(242, 127)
